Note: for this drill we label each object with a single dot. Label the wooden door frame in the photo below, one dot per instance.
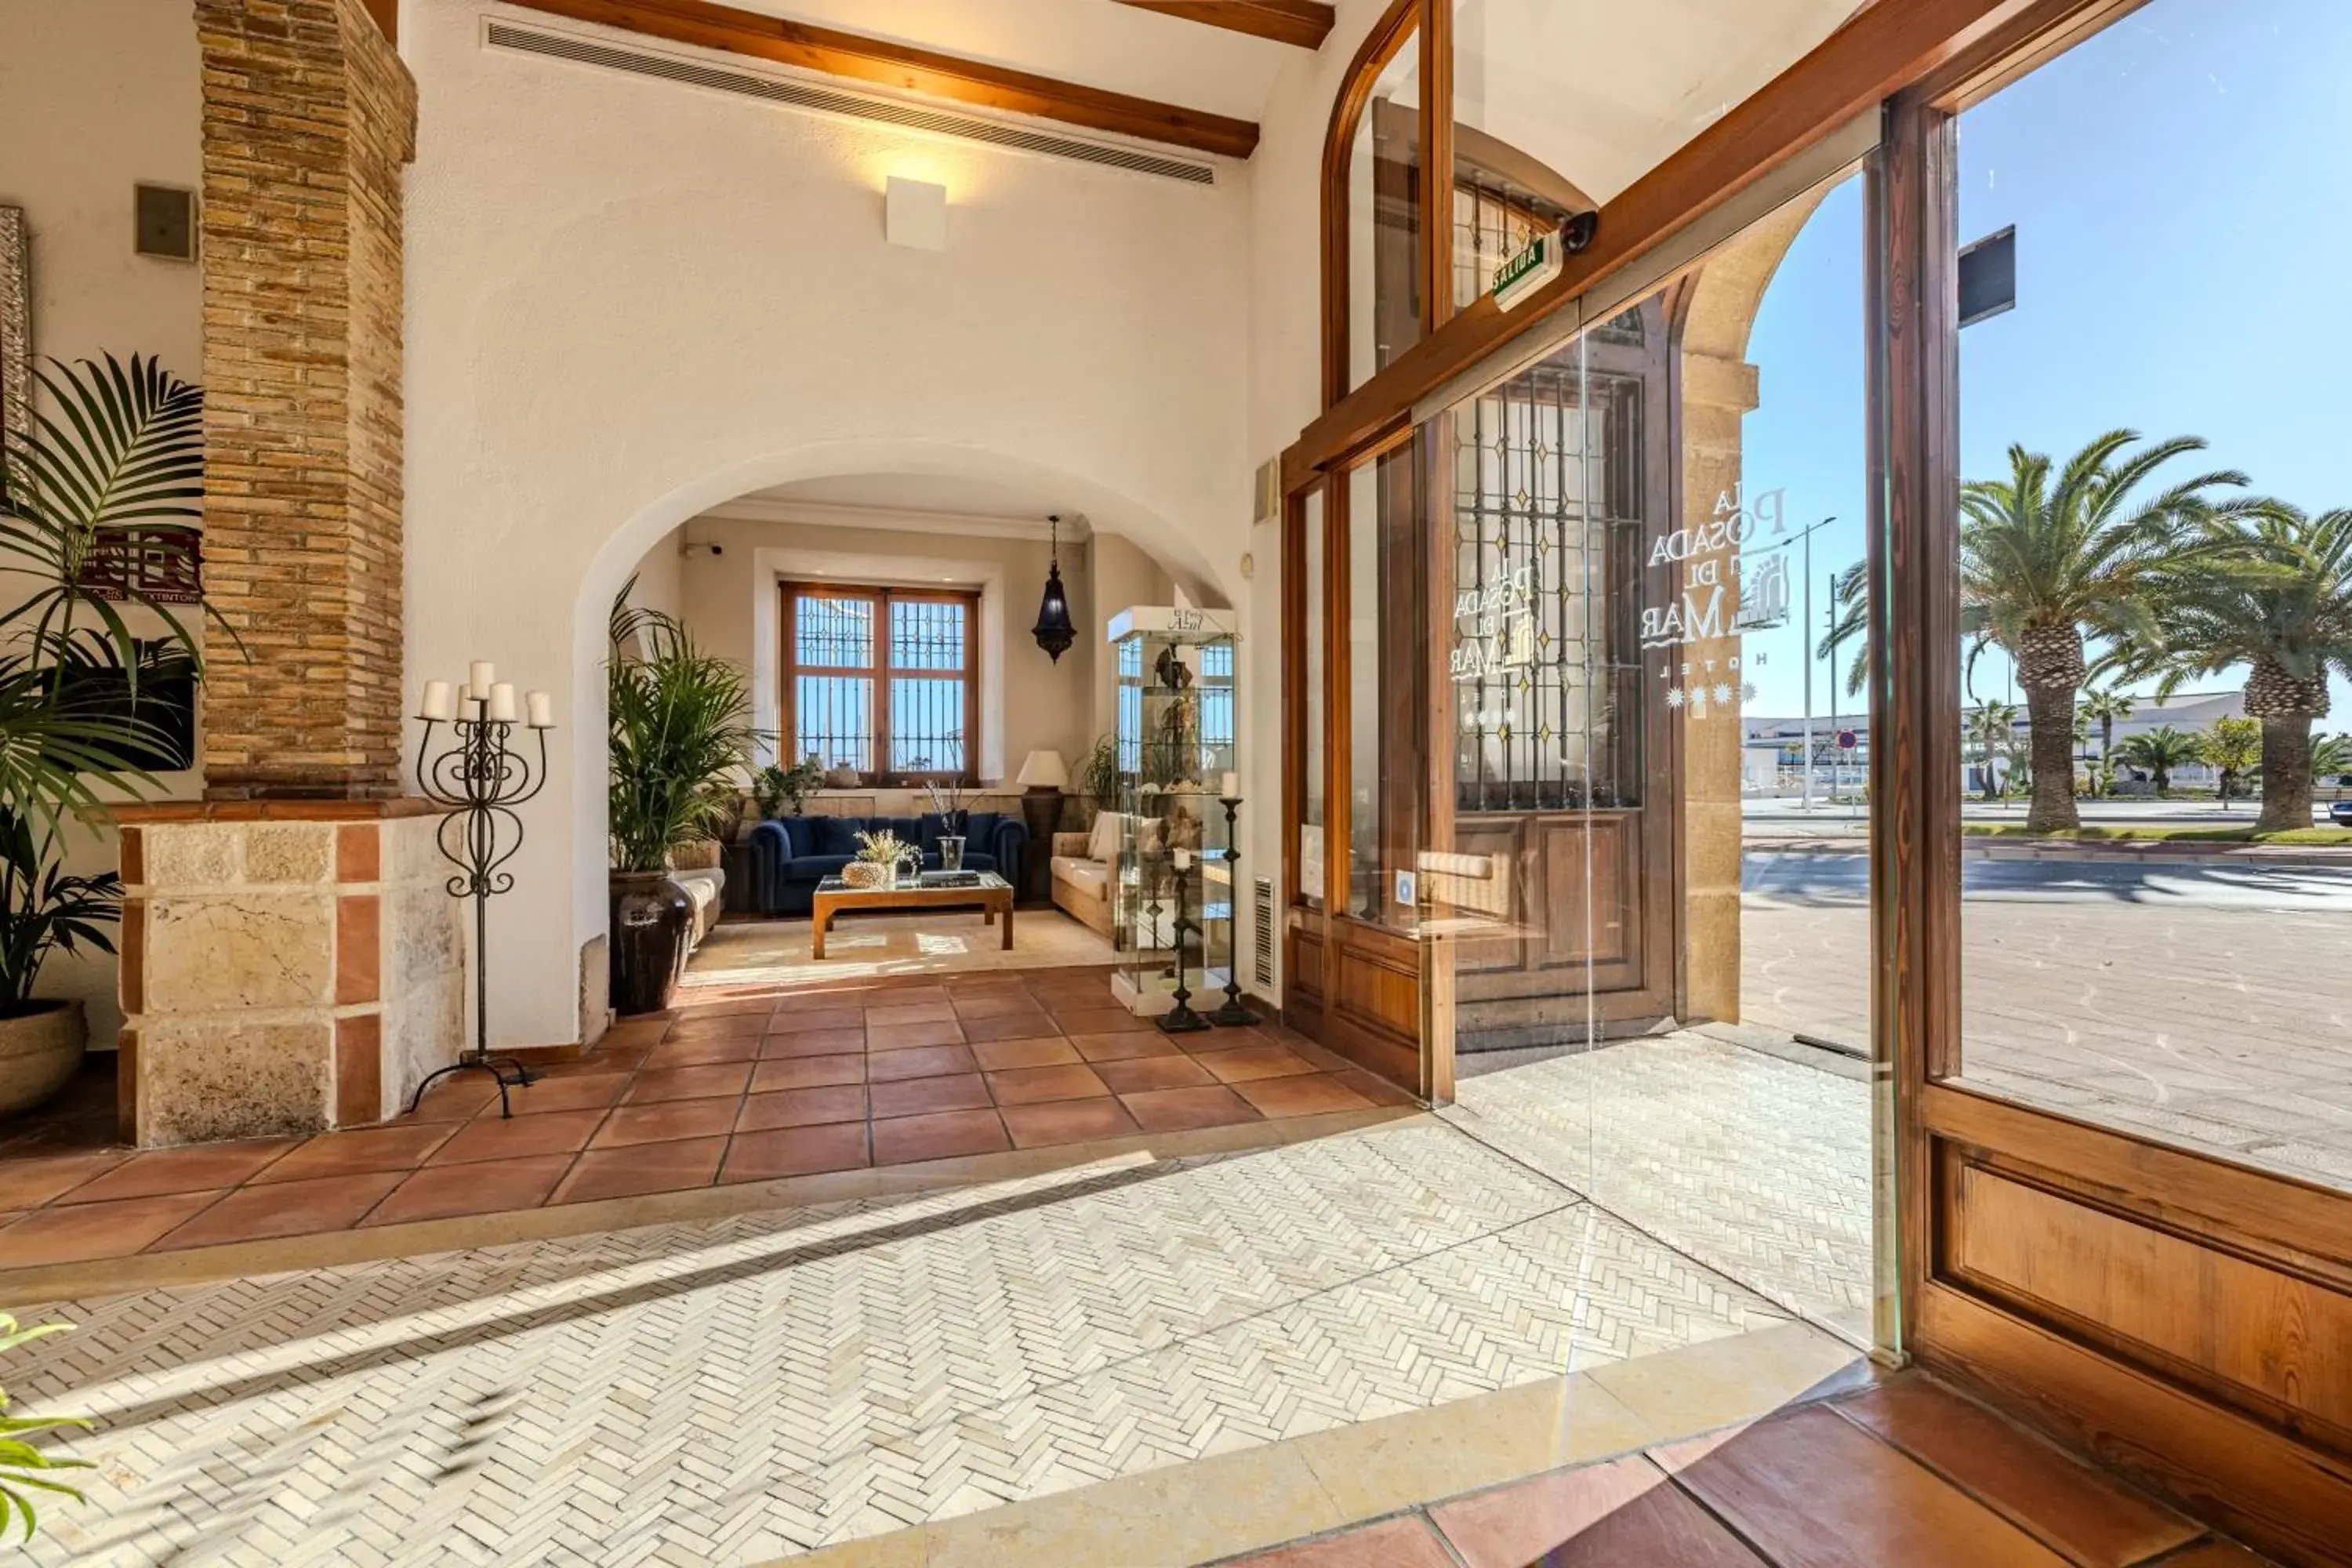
(2247, 1426)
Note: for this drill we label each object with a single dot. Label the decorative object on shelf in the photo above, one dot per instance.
(880, 857)
(124, 445)
(1175, 702)
(1055, 631)
(680, 737)
(1044, 776)
(843, 777)
(1232, 1014)
(481, 779)
(779, 791)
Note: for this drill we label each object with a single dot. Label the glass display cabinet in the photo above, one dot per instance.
(1175, 878)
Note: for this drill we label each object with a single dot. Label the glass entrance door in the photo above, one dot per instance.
(1645, 904)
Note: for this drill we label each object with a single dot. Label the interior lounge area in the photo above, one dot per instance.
(1225, 784)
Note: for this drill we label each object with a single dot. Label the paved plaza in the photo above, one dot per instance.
(2205, 1004)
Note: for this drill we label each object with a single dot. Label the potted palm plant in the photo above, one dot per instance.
(680, 724)
(116, 450)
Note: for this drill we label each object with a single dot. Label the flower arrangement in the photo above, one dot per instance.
(879, 856)
(883, 849)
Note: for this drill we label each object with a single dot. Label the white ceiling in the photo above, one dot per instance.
(1603, 92)
(1092, 43)
(937, 495)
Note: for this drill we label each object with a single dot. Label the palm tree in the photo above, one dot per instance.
(2331, 756)
(2105, 709)
(1993, 729)
(2160, 751)
(2049, 557)
(2270, 592)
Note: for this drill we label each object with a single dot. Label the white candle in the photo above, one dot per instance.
(439, 703)
(1183, 859)
(542, 710)
(480, 677)
(1232, 786)
(502, 703)
(470, 710)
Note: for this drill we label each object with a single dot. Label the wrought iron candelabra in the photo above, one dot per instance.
(481, 780)
(1232, 1014)
(1181, 1019)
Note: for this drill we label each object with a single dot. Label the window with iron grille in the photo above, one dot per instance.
(883, 680)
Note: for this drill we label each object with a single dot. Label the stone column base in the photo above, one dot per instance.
(289, 966)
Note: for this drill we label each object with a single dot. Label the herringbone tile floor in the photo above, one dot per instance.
(1754, 1165)
(729, 1392)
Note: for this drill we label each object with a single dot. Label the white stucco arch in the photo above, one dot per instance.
(1106, 510)
(653, 300)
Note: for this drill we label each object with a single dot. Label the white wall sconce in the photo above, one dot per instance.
(915, 213)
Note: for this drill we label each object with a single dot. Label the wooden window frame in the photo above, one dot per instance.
(880, 672)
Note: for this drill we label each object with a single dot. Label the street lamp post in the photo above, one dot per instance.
(1805, 633)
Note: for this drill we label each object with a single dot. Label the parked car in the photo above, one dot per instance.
(2340, 812)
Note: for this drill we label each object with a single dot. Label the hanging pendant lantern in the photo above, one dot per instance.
(1054, 631)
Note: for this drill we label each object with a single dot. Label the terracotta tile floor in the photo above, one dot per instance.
(738, 1086)
(1905, 1473)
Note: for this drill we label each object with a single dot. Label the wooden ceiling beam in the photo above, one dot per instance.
(887, 64)
(1306, 23)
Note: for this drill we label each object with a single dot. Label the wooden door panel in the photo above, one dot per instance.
(2273, 1343)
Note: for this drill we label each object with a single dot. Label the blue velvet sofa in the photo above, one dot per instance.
(791, 855)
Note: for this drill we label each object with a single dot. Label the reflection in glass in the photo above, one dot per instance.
(1383, 219)
(1309, 644)
(1384, 680)
(1535, 139)
(1657, 957)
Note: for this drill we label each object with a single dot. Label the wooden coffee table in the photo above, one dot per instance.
(993, 893)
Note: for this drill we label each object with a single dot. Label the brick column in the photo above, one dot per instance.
(309, 117)
(290, 958)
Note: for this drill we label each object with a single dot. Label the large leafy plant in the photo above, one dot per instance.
(113, 447)
(24, 1468)
(681, 728)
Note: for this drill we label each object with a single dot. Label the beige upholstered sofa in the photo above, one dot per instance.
(695, 868)
(1082, 876)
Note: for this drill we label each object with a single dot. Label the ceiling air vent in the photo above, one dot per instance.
(797, 92)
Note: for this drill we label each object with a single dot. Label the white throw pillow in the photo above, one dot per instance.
(1104, 845)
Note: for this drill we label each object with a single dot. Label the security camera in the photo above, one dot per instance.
(1577, 230)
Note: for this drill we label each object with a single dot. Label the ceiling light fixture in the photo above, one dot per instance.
(1054, 630)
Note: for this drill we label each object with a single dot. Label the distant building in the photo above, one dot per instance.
(1773, 757)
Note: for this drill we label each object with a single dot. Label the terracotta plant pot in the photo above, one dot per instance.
(39, 1052)
(652, 919)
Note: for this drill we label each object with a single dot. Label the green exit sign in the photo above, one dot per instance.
(1537, 264)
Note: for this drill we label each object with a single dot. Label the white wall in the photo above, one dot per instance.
(630, 301)
(731, 603)
(97, 96)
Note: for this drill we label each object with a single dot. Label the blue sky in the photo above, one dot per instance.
(2183, 204)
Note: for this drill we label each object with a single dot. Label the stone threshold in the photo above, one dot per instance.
(201, 1265)
(276, 810)
(1275, 1493)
